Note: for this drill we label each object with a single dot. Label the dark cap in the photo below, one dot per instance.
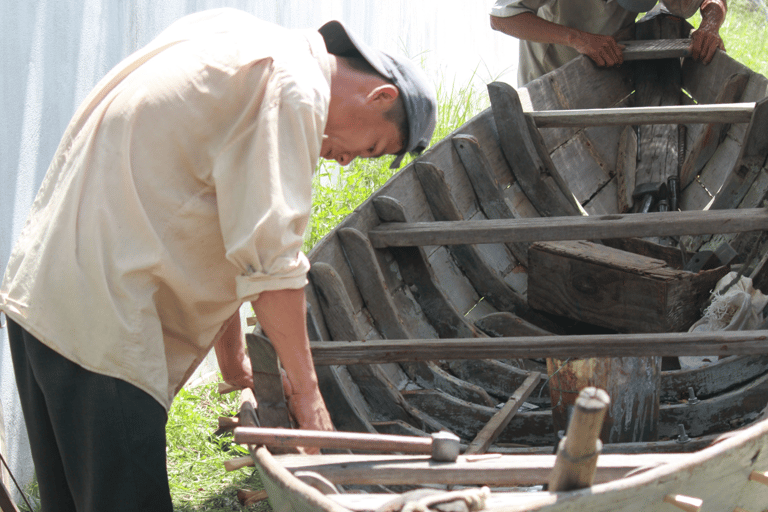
(417, 91)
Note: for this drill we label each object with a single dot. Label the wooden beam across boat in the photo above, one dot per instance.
(540, 229)
(532, 347)
(656, 49)
(488, 469)
(668, 114)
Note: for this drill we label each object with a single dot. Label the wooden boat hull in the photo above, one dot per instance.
(360, 292)
(724, 477)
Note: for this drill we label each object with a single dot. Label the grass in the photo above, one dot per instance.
(195, 457)
(743, 33)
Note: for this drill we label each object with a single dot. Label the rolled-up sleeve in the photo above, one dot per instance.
(509, 8)
(263, 187)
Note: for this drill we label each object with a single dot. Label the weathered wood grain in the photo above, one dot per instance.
(534, 347)
(531, 166)
(751, 160)
(656, 49)
(371, 283)
(267, 382)
(619, 290)
(379, 392)
(644, 115)
(502, 470)
(501, 419)
(485, 280)
(569, 228)
(486, 187)
(708, 136)
(418, 276)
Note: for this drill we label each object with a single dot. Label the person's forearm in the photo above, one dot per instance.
(530, 27)
(713, 14)
(603, 50)
(282, 315)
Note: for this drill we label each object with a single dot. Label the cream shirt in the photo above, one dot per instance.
(181, 188)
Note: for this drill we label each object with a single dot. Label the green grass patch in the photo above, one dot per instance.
(743, 33)
(196, 456)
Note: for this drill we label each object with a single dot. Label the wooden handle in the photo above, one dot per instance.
(286, 438)
(684, 503)
(759, 477)
(577, 452)
(238, 463)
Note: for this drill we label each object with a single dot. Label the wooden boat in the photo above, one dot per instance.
(435, 272)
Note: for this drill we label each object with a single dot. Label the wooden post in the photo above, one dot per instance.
(577, 452)
(633, 384)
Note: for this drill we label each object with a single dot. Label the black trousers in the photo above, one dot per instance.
(98, 443)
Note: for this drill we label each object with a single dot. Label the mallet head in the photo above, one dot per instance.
(445, 447)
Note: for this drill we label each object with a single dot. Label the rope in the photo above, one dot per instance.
(474, 499)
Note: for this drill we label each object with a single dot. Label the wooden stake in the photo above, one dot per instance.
(238, 463)
(501, 419)
(759, 477)
(684, 503)
(248, 498)
(577, 452)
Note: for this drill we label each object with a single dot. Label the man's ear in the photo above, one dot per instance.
(383, 96)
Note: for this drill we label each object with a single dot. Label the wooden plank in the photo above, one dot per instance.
(585, 167)
(532, 347)
(713, 379)
(626, 166)
(501, 419)
(710, 135)
(466, 419)
(720, 413)
(371, 284)
(499, 378)
(418, 275)
(656, 49)
(267, 382)
(501, 470)
(485, 280)
(705, 81)
(377, 389)
(486, 188)
(751, 160)
(579, 84)
(657, 84)
(530, 164)
(569, 228)
(347, 407)
(619, 290)
(644, 115)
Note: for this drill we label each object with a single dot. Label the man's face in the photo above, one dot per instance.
(367, 135)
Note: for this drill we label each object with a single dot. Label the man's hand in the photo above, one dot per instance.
(282, 315)
(603, 50)
(307, 408)
(704, 44)
(706, 40)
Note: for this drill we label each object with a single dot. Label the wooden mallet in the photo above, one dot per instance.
(442, 446)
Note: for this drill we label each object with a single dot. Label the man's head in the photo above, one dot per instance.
(393, 88)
